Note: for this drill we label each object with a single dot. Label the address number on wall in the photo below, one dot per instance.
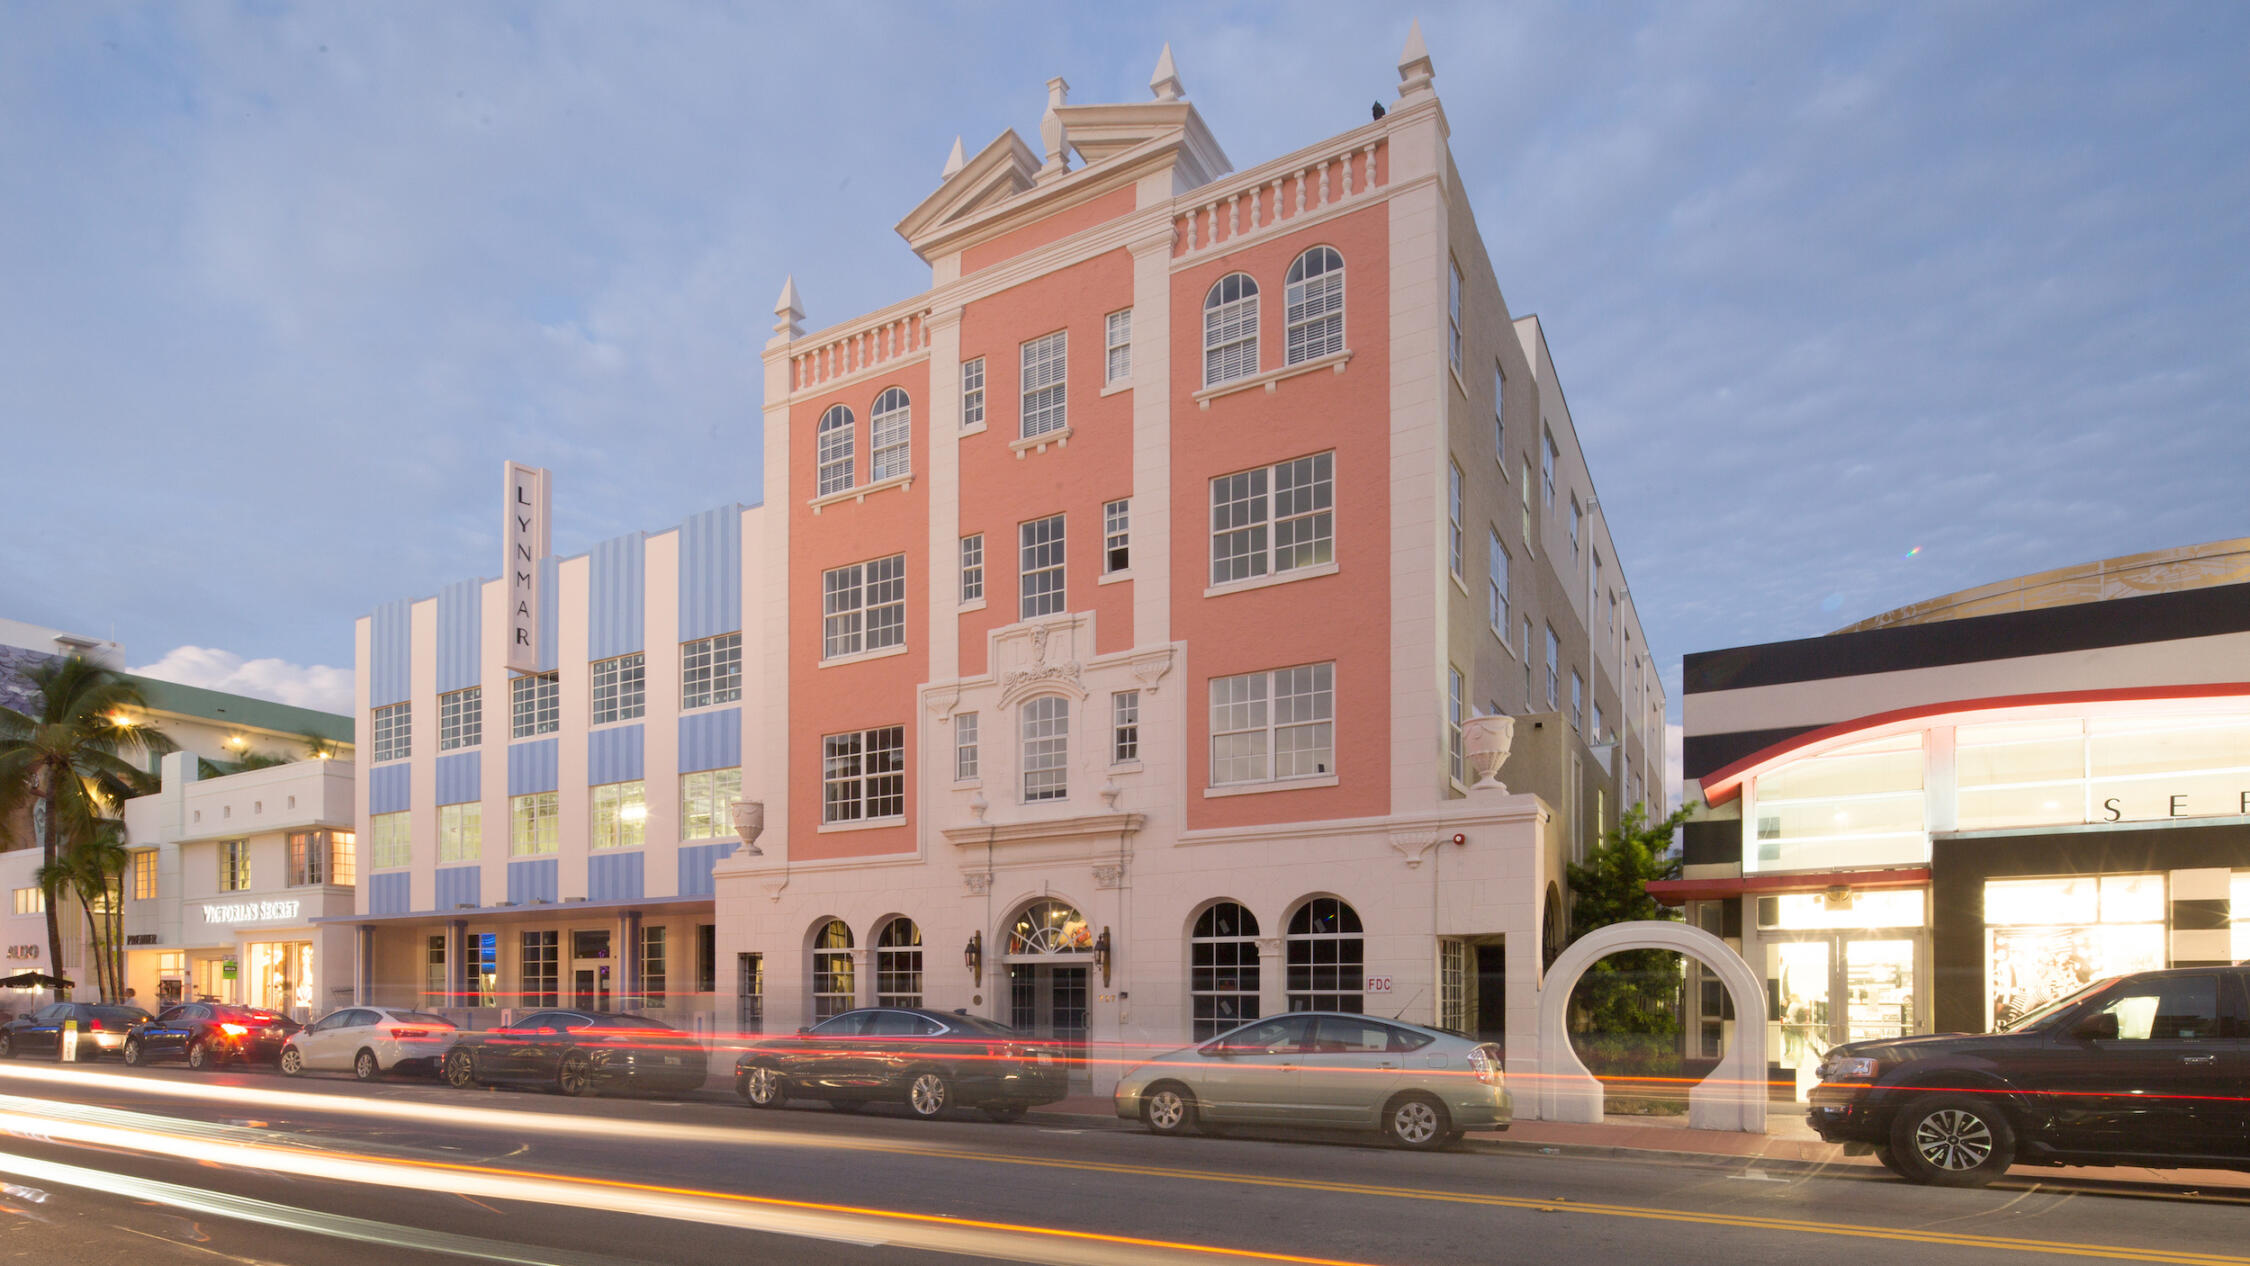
(1378, 984)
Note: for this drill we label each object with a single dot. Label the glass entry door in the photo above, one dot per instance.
(1049, 1001)
(1824, 988)
(1879, 994)
(589, 971)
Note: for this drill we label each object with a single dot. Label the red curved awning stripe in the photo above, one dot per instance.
(1722, 785)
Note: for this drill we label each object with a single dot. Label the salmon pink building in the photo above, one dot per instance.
(1100, 655)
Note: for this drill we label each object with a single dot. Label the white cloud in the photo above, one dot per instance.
(305, 686)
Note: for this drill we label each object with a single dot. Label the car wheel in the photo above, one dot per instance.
(1005, 1112)
(199, 1055)
(575, 1074)
(761, 1087)
(459, 1069)
(1952, 1141)
(928, 1095)
(366, 1067)
(1417, 1122)
(133, 1052)
(7, 1046)
(1168, 1109)
(292, 1062)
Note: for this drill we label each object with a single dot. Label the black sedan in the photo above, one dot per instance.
(573, 1052)
(928, 1060)
(101, 1030)
(207, 1033)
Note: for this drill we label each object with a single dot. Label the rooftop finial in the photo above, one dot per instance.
(1164, 81)
(954, 161)
(788, 311)
(1051, 133)
(1414, 68)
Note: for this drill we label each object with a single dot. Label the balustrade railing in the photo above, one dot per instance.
(1232, 208)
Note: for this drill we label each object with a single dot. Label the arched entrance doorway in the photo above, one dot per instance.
(1049, 951)
(1732, 1097)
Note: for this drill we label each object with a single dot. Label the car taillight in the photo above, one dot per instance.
(406, 1033)
(233, 1030)
(1485, 1067)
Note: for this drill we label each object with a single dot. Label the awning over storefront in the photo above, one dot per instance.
(1672, 892)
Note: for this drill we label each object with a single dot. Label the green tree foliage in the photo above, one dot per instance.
(1634, 991)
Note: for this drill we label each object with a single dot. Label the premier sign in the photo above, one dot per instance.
(251, 912)
(525, 541)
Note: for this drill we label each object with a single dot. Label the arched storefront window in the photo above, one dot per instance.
(834, 990)
(898, 964)
(1327, 957)
(1050, 927)
(1223, 969)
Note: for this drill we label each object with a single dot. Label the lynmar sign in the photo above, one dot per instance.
(524, 542)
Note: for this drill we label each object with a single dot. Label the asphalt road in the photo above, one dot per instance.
(162, 1166)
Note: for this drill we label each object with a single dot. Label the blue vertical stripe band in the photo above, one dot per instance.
(390, 641)
(613, 615)
(614, 877)
(390, 893)
(534, 880)
(459, 886)
(696, 861)
(460, 629)
(613, 755)
(460, 778)
(711, 573)
(389, 789)
(710, 740)
(550, 602)
(532, 767)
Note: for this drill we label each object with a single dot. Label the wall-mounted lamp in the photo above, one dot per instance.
(1101, 954)
(972, 957)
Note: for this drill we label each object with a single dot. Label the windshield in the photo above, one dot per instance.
(2038, 1017)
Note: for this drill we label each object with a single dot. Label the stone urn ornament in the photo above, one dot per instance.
(749, 824)
(1486, 741)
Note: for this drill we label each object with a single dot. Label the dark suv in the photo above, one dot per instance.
(2150, 1069)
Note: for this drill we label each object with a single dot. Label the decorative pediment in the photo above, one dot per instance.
(999, 172)
(1102, 132)
(1042, 658)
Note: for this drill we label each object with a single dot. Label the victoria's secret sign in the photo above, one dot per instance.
(250, 911)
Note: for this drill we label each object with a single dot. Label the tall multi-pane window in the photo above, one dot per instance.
(391, 841)
(1453, 516)
(654, 966)
(711, 671)
(890, 430)
(1117, 535)
(343, 858)
(535, 826)
(1223, 969)
(1453, 315)
(1041, 549)
(535, 704)
(394, 732)
(707, 799)
(750, 992)
(1230, 330)
(965, 762)
(1594, 590)
(1500, 417)
(541, 967)
(1327, 957)
(144, 874)
(1547, 455)
(1577, 700)
(620, 688)
(898, 964)
(1524, 650)
(1598, 722)
(1124, 727)
(833, 441)
(1314, 302)
(309, 859)
(620, 815)
(1554, 668)
(1523, 487)
(1496, 586)
(1117, 337)
(863, 775)
(1455, 706)
(972, 393)
(1274, 725)
(436, 992)
(484, 967)
(1274, 519)
(1046, 748)
(460, 718)
(865, 607)
(834, 990)
(1046, 394)
(972, 567)
(1577, 523)
(460, 832)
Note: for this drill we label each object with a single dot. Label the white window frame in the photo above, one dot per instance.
(1313, 306)
(461, 718)
(619, 815)
(535, 704)
(863, 776)
(972, 567)
(1453, 314)
(1117, 536)
(1258, 513)
(972, 392)
(620, 688)
(1044, 404)
(966, 765)
(1577, 701)
(1044, 744)
(1456, 548)
(535, 824)
(1117, 347)
(833, 443)
(1577, 524)
(707, 799)
(863, 607)
(393, 725)
(1500, 416)
(1524, 486)
(1125, 727)
(390, 843)
(1496, 569)
(1455, 705)
(711, 671)
(1040, 555)
(460, 832)
(1554, 669)
(890, 435)
(1255, 695)
(1230, 329)
(1548, 456)
(234, 864)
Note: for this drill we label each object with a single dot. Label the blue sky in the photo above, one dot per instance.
(284, 285)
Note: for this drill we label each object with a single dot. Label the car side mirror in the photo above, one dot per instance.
(2098, 1028)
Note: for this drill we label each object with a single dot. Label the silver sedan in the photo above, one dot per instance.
(1326, 1070)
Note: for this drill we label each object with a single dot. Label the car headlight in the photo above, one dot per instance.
(1850, 1068)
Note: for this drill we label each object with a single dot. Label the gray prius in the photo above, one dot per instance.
(1325, 1070)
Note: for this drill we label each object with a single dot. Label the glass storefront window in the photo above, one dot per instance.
(2102, 769)
(1813, 911)
(1858, 806)
(2239, 905)
(2045, 938)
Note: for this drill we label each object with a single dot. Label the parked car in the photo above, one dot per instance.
(207, 1033)
(573, 1052)
(928, 1060)
(368, 1041)
(2146, 1070)
(1331, 1070)
(101, 1029)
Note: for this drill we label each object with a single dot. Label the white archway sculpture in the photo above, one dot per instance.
(1733, 1097)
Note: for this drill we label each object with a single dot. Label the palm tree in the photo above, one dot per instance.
(68, 765)
(93, 866)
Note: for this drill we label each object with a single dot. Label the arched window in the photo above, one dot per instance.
(1230, 330)
(834, 442)
(888, 431)
(1314, 298)
(1327, 957)
(1223, 969)
(834, 990)
(1046, 749)
(1048, 926)
(898, 964)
